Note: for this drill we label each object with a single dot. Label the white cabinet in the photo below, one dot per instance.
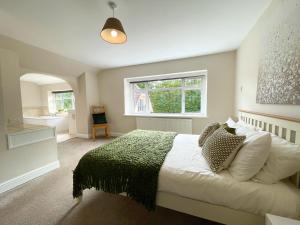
(28, 134)
(278, 220)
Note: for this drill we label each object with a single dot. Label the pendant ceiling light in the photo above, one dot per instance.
(112, 30)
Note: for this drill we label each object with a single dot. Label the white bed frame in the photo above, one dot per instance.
(285, 127)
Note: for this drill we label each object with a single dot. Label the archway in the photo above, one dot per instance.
(49, 100)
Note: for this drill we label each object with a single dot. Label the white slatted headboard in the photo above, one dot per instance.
(285, 127)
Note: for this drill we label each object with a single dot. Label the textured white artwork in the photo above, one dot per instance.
(279, 66)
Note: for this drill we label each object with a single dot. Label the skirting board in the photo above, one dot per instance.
(12, 183)
(79, 135)
(100, 132)
(87, 136)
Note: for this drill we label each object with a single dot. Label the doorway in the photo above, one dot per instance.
(50, 101)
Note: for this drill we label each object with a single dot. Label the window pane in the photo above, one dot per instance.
(165, 101)
(192, 82)
(140, 85)
(67, 104)
(67, 94)
(139, 102)
(59, 105)
(165, 83)
(58, 96)
(64, 101)
(192, 101)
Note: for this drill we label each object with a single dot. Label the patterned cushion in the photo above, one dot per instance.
(229, 129)
(220, 149)
(208, 130)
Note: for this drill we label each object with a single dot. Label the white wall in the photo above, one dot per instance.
(31, 94)
(11, 92)
(92, 95)
(35, 103)
(2, 120)
(23, 159)
(35, 97)
(248, 56)
(220, 81)
(45, 89)
(81, 109)
(16, 59)
(37, 60)
(88, 87)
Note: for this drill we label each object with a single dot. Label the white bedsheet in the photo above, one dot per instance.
(186, 173)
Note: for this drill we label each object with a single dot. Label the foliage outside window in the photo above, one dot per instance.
(168, 96)
(63, 101)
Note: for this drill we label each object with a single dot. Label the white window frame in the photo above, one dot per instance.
(52, 98)
(129, 97)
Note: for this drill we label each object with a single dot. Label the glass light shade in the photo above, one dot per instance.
(113, 31)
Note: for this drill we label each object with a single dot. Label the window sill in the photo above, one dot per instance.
(159, 115)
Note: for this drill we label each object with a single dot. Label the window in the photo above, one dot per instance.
(61, 101)
(172, 94)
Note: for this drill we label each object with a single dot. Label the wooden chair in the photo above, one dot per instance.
(95, 110)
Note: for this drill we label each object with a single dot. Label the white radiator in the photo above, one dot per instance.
(183, 126)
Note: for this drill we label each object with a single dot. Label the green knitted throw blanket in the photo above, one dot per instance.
(130, 164)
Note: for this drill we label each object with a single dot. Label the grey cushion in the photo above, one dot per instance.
(207, 131)
(220, 149)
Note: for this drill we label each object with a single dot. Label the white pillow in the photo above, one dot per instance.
(240, 125)
(242, 130)
(243, 124)
(283, 162)
(252, 156)
(231, 123)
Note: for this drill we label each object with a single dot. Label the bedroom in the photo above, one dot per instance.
(180, 70)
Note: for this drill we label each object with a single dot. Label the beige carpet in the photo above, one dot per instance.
(48, 200)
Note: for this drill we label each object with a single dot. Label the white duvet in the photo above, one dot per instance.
(186, 173)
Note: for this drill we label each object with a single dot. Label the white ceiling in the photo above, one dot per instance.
(157, 29)
(41, 79)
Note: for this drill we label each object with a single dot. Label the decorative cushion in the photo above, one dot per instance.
(283, 162)
(220, 149)
(99, 118)
(207, 131)
(251, 157)
(227, 128)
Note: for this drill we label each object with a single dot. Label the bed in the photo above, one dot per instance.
(186, 184)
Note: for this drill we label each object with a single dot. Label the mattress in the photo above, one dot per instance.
(186, 173)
